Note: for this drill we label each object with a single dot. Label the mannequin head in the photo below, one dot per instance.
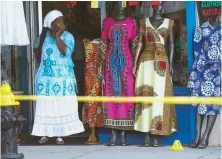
(117, 12)
(157, 9)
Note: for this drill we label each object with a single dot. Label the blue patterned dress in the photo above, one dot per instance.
(205, 77)
(55, 77)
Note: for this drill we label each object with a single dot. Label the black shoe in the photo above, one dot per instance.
(203, 144)
(195, 144)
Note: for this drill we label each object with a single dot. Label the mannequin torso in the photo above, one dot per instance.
(156, 20)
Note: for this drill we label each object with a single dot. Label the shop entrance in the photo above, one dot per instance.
(82, 22)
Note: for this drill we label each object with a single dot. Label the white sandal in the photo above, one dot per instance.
(43, 141)
(59, 141)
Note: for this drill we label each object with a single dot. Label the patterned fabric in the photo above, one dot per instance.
(160, 67)
(119, 79)
(205, 77)
(102, 49)
(153, 79)
(134, 46)
(133, 3)
(55, 77)
(92, 111)
(155, 3)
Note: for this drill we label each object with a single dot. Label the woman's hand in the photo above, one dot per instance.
(62, 47)
(60, 31)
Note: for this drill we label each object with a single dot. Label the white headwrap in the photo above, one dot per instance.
(50, 17)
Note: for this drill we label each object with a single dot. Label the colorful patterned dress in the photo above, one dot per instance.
(93, 111)
(119, 80)
(153, 79)
(55, 77)
(205, 77)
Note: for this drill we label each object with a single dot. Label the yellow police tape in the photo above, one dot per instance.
(148, 100)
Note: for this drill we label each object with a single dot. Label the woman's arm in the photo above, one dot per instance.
(62, 47)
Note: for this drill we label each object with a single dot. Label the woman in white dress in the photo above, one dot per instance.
(55, 78)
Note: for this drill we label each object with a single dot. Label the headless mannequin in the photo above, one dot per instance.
(157, 19)
(198, 141)
(92, 140)
(119, 14)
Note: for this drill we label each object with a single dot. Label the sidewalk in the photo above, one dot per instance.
(117, 152)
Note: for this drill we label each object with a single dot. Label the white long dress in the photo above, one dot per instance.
(13, 29)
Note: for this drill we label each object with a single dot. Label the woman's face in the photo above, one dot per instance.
(57, 24)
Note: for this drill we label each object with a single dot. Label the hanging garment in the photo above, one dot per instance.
(133, 3)
(72, 2)
(93, 111)
(173, 6)
(55, 77)
(205, 77)
(153, 79)
(13, 29)
(168, 7)
(119, 80)
(155, 3)
(146, 9)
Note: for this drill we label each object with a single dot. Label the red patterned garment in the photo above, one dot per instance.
(155, 3)
(92, 113)
(133, 3)
(72, 2)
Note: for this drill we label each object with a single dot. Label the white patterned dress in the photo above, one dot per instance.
(153, 79)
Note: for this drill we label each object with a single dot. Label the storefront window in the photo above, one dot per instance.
(208, 10)
(6, 63)
(177, 12)
(11, 66)
(180, 67)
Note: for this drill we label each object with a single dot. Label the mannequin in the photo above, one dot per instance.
(211, 111)
(118, 31)
(150, 58)
(92, 112)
